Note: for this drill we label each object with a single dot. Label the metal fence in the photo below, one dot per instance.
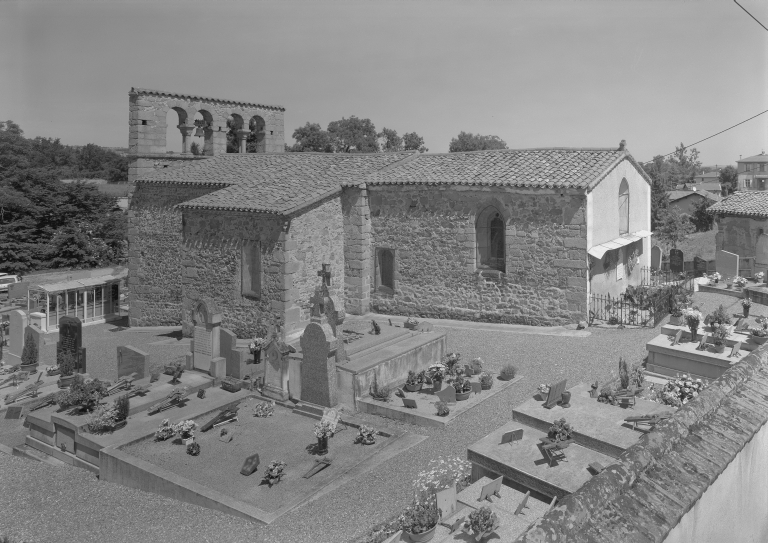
(646, 305)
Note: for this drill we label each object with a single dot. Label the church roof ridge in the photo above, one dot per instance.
(750, 203)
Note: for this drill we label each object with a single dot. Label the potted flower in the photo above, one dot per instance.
(420, 520)
(676, 318)
(411, 323)
(692, 319)
(560, 431)
(719, 316)
(108, 419)
(476, 365)
(508, 372)
(486, 380)
(185, 430)
(436, 372)
(716, 277)
(274, 472)
(442, 409)
(481, 523)
(451, 362)
(759, 277)
(323, 430)
(746, 303)
(718, 337)
(366, 435)
(193, 448)
(760, 335)
(165, 431)
(739, 282)
(415, 381)
(463, 388)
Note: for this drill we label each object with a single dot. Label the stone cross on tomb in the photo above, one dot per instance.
(325, 273)
(318, 303)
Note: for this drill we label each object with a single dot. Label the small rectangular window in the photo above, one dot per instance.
(251, 269)
(385, 270)
(762, 167)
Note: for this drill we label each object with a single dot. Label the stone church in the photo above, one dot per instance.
(512, 236)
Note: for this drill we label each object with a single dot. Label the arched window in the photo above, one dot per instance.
(489, 230)
(624, 207)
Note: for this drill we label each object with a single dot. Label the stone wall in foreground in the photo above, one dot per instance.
(432, 232)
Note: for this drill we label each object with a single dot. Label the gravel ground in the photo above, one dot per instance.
(41, 502)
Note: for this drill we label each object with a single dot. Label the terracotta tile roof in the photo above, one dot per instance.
(279, 183)
(757, 158)
(551, 168)
(675, 195)
(655, 482)
(750, 203)
(136, 90)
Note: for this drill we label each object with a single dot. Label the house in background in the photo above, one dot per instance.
(709, 177)
(753, 172)
(742, 228)
(685, 201)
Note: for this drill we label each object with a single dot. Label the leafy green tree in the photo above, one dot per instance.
(413, 142)
(467, 141)
(658, 171)
(353, 134)
(729, 180)
(702, 220)
(390, 141)
(675, 227)
(311, 137)
(196, 149)
(685, 165)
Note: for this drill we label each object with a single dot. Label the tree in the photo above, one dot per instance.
(702, 220)
(195, 149)
(353, 134)
(675, 227)
(658, 171)
(729, 180)
(413, 142)
(685, 164)
(311, 137)
(467, 141)
(390, 141)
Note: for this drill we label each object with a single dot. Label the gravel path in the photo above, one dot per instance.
(42, 503)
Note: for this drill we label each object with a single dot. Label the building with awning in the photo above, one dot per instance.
(598, 251)
(91, 299)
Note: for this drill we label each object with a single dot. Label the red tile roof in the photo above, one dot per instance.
(546, 168)
(279, 183)
(136, 90)
(750, 203)
(675, 195)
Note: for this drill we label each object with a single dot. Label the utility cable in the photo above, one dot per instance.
(748, 13)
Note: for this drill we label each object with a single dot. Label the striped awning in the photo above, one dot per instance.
(599, 250)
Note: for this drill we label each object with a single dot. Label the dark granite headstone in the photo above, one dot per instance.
(250, 465)
(699, 266)
(407, 402)
(511, 437)
(318, 365)
(676, 264)
(71, 340)
(13, 412)
(491, 489)
(447, 395)
(555, 394)
(131, 360)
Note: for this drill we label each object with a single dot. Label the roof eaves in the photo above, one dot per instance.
(208, 207)
(624, 156)
(312, 201)
(139, 91)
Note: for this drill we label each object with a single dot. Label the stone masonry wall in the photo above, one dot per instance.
(154, 253)
(432, 230)
(357, 250)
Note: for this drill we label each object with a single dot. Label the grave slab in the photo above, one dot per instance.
(525, 464)
(671, 329)
(665, 359)
(598, 426)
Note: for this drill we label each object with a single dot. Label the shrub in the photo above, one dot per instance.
(442, 409)
(123, 406)
(81, 394)
(461, 384)
(719, 335)
(421, 517)
(482, 521)
(637, 375)
(486, 379)
(451, 361)
(29, 354)
(623, 373)
(508, 371)
(68, 362)
(719, 316)
(264, 409)
(102, 419)
(155, 369)
(415, 378)
(381, 532)
(193, 449)
(380, 393)
(477, 365)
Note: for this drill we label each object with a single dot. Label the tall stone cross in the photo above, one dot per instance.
(325, 273)
(318, 303)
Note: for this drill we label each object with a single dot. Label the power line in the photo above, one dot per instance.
(710, 137)
(748, 13)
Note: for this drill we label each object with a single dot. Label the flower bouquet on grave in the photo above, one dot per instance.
(486, 380)
(718, 337)
(746, 303)
(759, 277)
(165, 431)
(760, 335)
(264, 409)
(681, 390)
(437, 373)
(481, 523)
(463, 387)
(420, 519)
(692, 318)
(366, 435)
(185, 429)
(739, 282)
(257, 344)
(324, 430)
(274, 472)
(451, 363)
(560, 431)
(716, 277)
(414, 381)
(411, 323)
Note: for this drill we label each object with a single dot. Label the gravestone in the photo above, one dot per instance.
(676, 338)
(727, 264)
(446, 501)
(699, 266)
(411, 404)
(491, 489)
(206, 340)
(735, 350)
(676, 263)
(17, 325)
(132, 360)
(555, 393)
(250, 465)
(523, 503)
(655, 257)
(71, 340)
(477, 388)
(447, 395)
(761, 255)
(318, 365)
(276, 366)
(331, 415)
(511, 437)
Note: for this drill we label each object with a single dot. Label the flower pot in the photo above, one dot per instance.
(566, 399)
(717, 281)
(66, 380)
(437, 386)
(746, 311)
(728, 285)
(759, 340)
(719, 348)
(486, 387)
(675, 321)
(322, 445)
(31, 368)
(423, 536)
(461, 396)
(693, 333)
(413, 388)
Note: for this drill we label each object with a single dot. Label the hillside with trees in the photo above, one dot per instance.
(45, 223)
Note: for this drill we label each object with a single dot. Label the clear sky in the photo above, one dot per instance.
(537, 74)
